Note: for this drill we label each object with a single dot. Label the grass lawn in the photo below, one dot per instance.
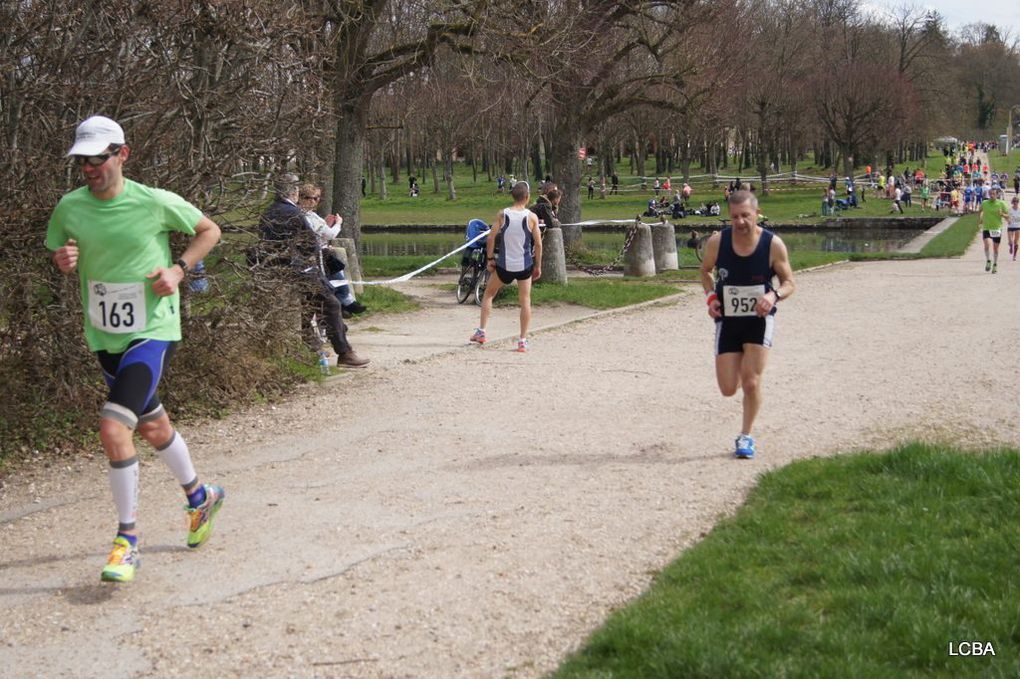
(864, 565)
(595, 293)
(793, 204)
(954, 241)
(382, 300)
(612, 292)
(1001, 163)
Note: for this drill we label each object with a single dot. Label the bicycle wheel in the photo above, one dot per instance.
(466, 283)
(480, 285)
(699, 249)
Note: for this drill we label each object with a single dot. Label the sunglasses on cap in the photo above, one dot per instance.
(97, 160)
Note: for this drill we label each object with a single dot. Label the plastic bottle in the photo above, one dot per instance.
(324, 362)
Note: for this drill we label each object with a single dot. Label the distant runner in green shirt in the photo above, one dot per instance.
(990, 218)
(116, 234)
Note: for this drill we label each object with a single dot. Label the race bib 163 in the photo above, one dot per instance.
(117, 307)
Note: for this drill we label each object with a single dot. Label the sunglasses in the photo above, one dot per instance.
(97, 160)
(311, 197)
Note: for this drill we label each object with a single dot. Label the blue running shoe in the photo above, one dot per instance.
(744, 447)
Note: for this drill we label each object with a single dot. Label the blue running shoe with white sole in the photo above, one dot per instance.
(744, 447)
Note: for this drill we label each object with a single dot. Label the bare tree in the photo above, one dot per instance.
(373, 43)
(593, 60)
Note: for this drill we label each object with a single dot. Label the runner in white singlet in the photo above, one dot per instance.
(514, 253)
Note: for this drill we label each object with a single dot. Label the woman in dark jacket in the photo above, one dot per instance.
(546, 205)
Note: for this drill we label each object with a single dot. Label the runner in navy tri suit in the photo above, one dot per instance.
(737, 274)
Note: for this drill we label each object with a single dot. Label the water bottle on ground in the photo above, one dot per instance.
(324, 362)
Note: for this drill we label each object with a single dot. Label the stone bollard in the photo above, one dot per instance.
(664, 247)
(554, 260)
(639, 260)
(572, 238)
(347, 251)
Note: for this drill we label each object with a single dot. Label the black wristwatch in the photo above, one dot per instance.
(184, 265)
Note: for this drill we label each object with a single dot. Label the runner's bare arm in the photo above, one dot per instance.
(537, 233)
(207, 235)
(781, 265)
(707, 281)
(490, 242)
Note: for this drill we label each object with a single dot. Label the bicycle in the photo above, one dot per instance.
(474, 276)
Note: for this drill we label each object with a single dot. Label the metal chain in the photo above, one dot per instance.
(602, 270)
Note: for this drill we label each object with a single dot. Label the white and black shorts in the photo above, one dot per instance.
(731, 334)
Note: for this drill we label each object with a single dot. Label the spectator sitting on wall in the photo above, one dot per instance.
(285, 232)
(545, 207)
(309, 196)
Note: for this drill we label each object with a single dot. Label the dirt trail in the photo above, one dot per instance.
(478, 512)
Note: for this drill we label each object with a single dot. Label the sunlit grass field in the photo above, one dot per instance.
(786, 203)
(863, 565)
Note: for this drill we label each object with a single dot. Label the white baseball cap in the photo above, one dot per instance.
(94, 135)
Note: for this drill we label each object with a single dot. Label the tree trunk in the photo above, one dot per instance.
(536, 158)
(566, 138)
(685, 159)
(763, 160)
(407, 154)
(382, 171)
(451, 191)
(395, 158)
(639, 157)
(349, 162)
(370, 166)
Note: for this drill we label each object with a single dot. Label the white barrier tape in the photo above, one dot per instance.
(594, 222)
(718, 178)
(408, 276)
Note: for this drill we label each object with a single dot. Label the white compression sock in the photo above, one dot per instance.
(124, 484)
(175, 455)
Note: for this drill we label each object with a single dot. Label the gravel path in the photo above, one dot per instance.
(457, 511)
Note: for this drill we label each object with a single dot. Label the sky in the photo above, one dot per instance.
(1003, 13)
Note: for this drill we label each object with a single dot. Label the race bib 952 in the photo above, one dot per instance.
(741, 300)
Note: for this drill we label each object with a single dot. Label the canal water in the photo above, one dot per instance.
(852, 239)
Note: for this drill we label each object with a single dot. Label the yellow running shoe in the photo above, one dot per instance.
(123, 562)
(200, 518)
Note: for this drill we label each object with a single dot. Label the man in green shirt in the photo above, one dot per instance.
(116, 234)
(990, 216)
